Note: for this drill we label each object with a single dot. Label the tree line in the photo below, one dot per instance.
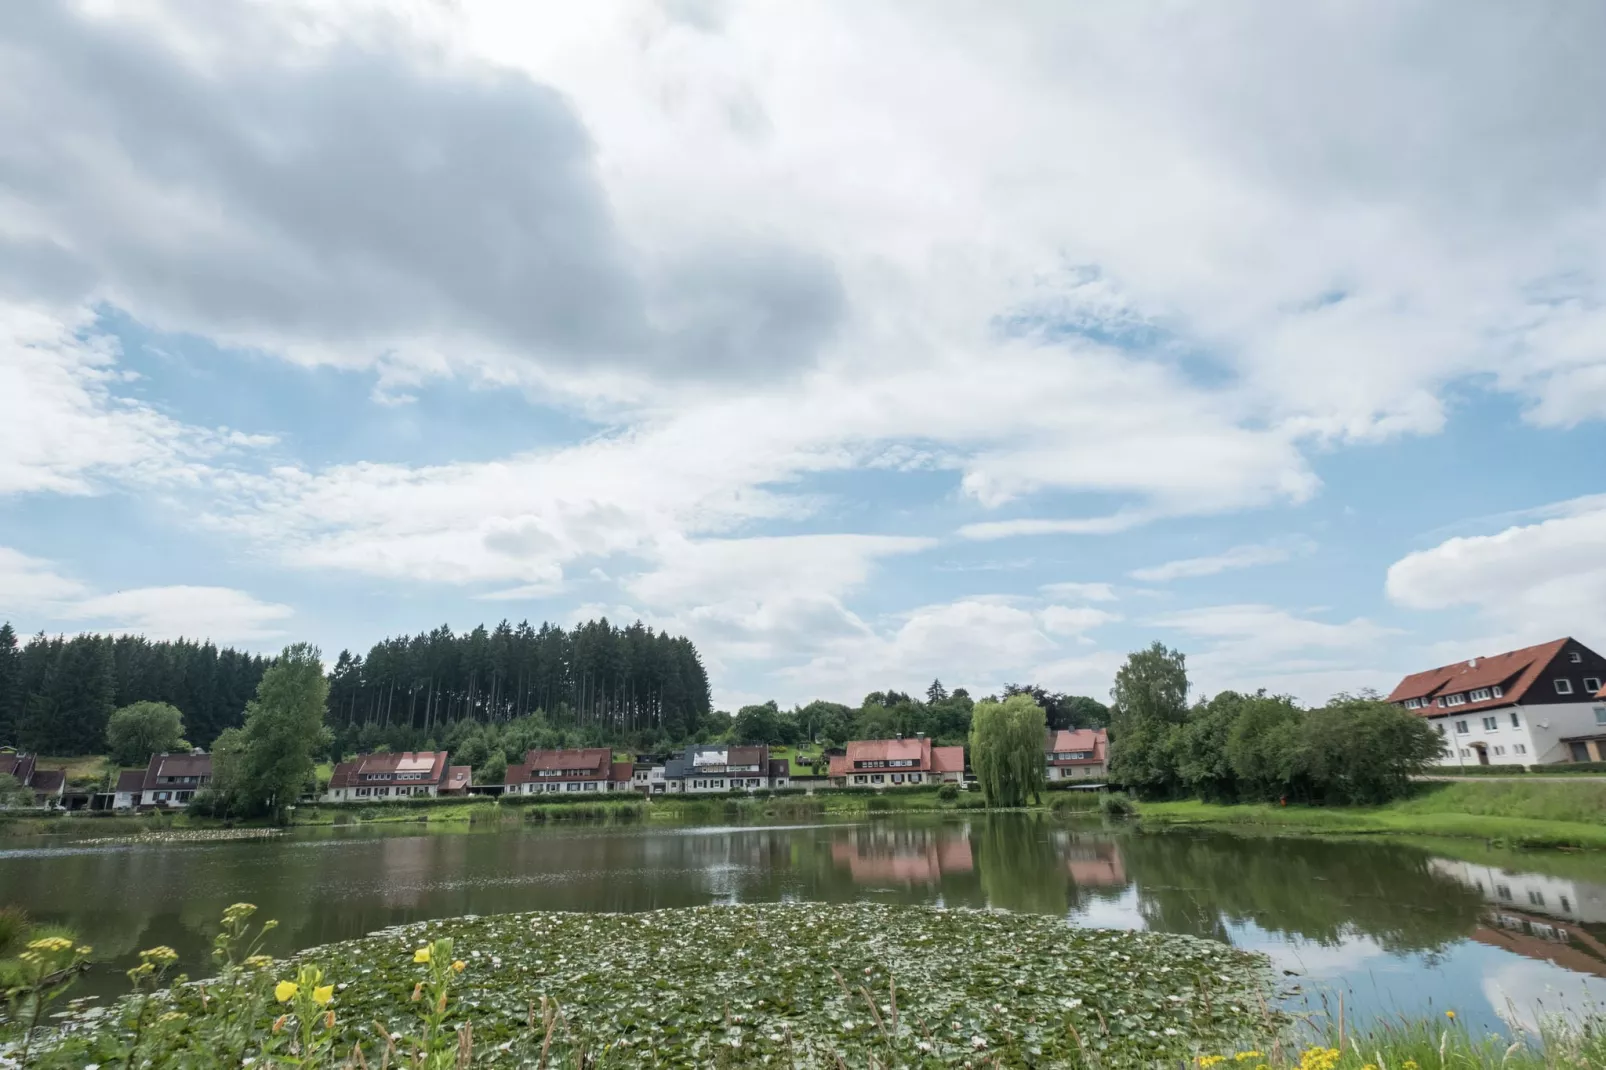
(57, 693)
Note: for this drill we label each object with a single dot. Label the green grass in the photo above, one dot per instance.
(1521, 813)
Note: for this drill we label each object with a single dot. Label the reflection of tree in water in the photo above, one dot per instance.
(1021, 863)
(1317, 890)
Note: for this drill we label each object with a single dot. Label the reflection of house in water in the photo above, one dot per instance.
(1095, 864)
(902, 855)
(1537, 916)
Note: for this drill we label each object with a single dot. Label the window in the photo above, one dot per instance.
(1537, 898)
(1600, 714)
(1515, 721)
(1456, 700)
(1490, 724)
(1440, 727)
(1565, 905)
(1480, 694)
(1440, 700)
(1520, 748)
(1503, 891)
(1499, 751)
(1591, 684)
(1465, 753)
(571, 786)
(1563, 686)
(1576, 658)
(1498, 693)
(1413, 704)
(1461, 728)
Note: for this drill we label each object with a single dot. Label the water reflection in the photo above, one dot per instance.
(1399, 922)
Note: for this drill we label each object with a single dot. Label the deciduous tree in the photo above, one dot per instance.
(137, 731)
(1006, 749)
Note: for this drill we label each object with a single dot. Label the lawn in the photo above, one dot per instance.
(1543, 814)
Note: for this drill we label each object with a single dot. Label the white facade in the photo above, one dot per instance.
(1517, 735)
(1093, 771)
(1559, 897)
(376, 792)
(556, 784)
(125, 800)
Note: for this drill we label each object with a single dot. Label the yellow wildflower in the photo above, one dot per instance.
(421, 955)
(1211, 1060)
(1410, 1064)
(323, 995)
(50, 943)
(83, 949)
(160, 956)
(1449, 1014)
(1245, 1056)
(258, 962)
(459, 966)
(285, 991)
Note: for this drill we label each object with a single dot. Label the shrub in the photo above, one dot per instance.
(1116, 804)
(1570, 767)
(878, 802)
(948, 792)
(1475, 770)
(1076, 802)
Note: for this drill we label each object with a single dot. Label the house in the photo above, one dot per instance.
(891, 763)
(126, 793)
(383, 777)
(1534, 706)
(1077, 754)
(47, 784)
(587, 769)
(718, 767)
(458, 778)
(171, 780)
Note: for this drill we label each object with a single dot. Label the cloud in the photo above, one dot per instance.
(1527, 583)
(356, 198)
(1247, 556)
(32, 588)
(1089, 592)
(1008, 529)
(65, 429)
(1250, 646)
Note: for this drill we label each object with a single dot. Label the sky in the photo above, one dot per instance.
(865, 342)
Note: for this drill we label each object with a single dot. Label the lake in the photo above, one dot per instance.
(1394, 927)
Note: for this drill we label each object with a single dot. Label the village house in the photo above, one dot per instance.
(1077, 754)
(1535, 706)
(718, 767)
(891, 763)
(171, 780)
(589, 769)
(47, 785)
(128, 789)
(378, 777)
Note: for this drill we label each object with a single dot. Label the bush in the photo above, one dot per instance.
(1570, 767)
(1077, 802)
(878, 802)
(1118, 805)
(948, 792)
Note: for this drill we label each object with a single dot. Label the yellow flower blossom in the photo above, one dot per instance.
(1449, 1014)
(1320, 1059)
(285, 991)
(421, 955)
(1410, 1064)
(160, 956)
(1211, 1060)
(1245, 1056)
(459, 966)
(322, 996)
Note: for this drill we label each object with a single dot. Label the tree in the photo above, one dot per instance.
(936, 692)
(494, 771)
(757, 724)
(137, 731)
(14, 792)
(1151, 700)
(1006, 749)
(1362, 750)
(284, 730)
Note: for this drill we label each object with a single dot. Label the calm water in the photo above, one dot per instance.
(1394, 927)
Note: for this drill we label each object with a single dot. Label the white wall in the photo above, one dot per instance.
(1552, 724)
(1502, 741)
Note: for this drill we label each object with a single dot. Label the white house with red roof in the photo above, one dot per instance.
(1535, 706)
(384, 777)
(1077, 754)
(895, 763)
(579, 770)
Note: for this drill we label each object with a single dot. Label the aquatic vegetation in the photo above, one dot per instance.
(789, 985)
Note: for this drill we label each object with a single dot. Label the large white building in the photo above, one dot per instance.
(1533, 706)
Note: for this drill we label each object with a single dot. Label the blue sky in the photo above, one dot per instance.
(864, 343)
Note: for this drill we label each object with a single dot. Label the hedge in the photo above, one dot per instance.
(1570, 767)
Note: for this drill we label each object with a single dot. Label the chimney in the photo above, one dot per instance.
(1472, 663)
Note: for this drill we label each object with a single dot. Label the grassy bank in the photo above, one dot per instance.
(1521, 813)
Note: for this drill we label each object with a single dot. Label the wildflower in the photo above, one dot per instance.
(418, 991)
(1211, 1060)
(1450, 1015)
(83, 949)
(173, 1016)
(50, 943)
(278, 1023)
(321, 996)
(421, 955)
(978, 1042)
(1245, 1056)
(459, 966)
(1410, 1064)
(161, 956)
(259, 962)
(285, 991)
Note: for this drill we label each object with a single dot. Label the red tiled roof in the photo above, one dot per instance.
(622, 772)
(385, 768)
(590, 763)
(458, 777)
(1095, 742)
(918, 751)
(947, 759)
(1513, 672)
(780, 767)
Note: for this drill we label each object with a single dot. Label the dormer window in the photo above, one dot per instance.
(1413, 704)
(1498, 692)
(1455, 700)
(1480, 695)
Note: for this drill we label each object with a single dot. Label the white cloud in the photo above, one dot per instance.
(1078, 620)
(1087, 592)
(63, 427)
(1247, 647)
(33, 589)
(221, 614)
(1247, 556)
(1528, 583)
